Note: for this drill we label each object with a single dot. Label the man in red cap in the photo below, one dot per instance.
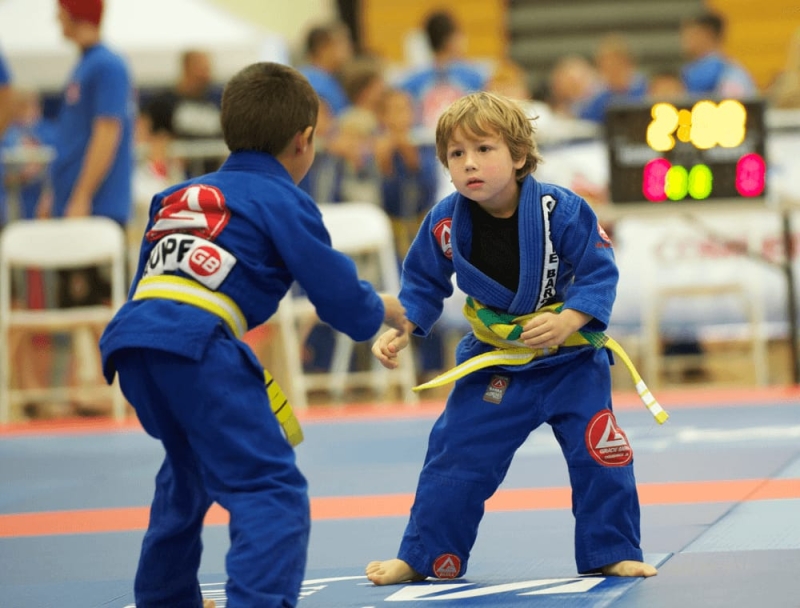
(90, 11)
(93, 169)
(92, 172)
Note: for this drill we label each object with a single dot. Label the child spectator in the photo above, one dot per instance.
(408, 168)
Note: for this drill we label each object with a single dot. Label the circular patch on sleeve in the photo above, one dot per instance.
(447, 565)
(606, 442)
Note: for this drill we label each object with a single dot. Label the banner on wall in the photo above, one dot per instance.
(739, 249)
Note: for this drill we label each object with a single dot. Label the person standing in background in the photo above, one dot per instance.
(328, 49)
(92, 172)
(94, 160)
(450, 77)
(709, 72)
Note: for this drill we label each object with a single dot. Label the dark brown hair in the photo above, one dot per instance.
(264, 106)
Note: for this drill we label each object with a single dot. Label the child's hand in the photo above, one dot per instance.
(394, 314)
(388, 345)
(550, 329)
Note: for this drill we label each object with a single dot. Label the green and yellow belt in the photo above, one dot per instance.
(187, 291)
(503, 330)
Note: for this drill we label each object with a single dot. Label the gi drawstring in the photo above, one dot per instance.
(502, 330)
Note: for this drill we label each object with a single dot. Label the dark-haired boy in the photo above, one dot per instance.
(219, 253)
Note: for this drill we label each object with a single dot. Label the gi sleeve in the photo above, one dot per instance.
(588, 258)
(426, 278)
(329, 278)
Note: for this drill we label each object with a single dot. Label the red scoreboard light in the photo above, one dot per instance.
(694, 151)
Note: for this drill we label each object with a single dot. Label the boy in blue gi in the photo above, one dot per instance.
(533, 260)
(219, 253)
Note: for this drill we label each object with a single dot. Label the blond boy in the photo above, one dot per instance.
(537, 267)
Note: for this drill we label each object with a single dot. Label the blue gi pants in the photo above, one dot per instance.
(223, 444)
(470, 449)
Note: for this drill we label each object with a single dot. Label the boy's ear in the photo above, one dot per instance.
(303, 139)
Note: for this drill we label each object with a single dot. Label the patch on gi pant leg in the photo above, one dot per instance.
(447, 565)
(606, 442)
(496, 389)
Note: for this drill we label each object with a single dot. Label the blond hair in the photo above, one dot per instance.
(483, 113)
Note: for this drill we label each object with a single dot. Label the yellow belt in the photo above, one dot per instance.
(502, 331)
(187, 291)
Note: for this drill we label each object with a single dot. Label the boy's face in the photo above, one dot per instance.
(482, 170)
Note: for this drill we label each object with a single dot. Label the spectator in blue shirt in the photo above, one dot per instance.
(450, 77)
(709, 71)
(328, 49)
(621, 80)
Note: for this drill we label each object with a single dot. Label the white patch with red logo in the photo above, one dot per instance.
(199, 210)
(442, 231)
(205, 262)
(606, 442)
(496, 389)
(447, 565)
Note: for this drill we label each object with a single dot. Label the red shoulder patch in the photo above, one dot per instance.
(442, 231)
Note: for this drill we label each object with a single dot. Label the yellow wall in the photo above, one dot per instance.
(387, 22)
(758, 33)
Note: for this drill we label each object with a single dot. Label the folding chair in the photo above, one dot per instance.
(53, 245)
(363, 231)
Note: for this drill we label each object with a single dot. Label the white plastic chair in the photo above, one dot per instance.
(363, 231)
(60, 244)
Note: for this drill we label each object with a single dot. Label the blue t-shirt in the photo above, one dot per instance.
(435, 88)
(595, 109)
(327, 87)
(5, 80)
(100, 86)
(716, 75)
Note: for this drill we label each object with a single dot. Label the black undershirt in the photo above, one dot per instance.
(495, 246)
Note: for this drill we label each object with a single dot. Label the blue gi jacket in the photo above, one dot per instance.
(266, 233)
(565, 257)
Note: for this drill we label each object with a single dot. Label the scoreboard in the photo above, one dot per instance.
(696, 151)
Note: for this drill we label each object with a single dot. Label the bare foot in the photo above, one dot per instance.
(629, 567)
(391, 572)
(209, 604)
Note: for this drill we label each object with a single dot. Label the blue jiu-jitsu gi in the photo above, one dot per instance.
(220, 252)
(565, 256)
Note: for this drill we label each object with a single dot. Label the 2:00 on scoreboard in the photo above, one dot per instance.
(696, 151)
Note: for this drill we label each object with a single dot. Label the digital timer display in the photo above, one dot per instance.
(701, 150)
